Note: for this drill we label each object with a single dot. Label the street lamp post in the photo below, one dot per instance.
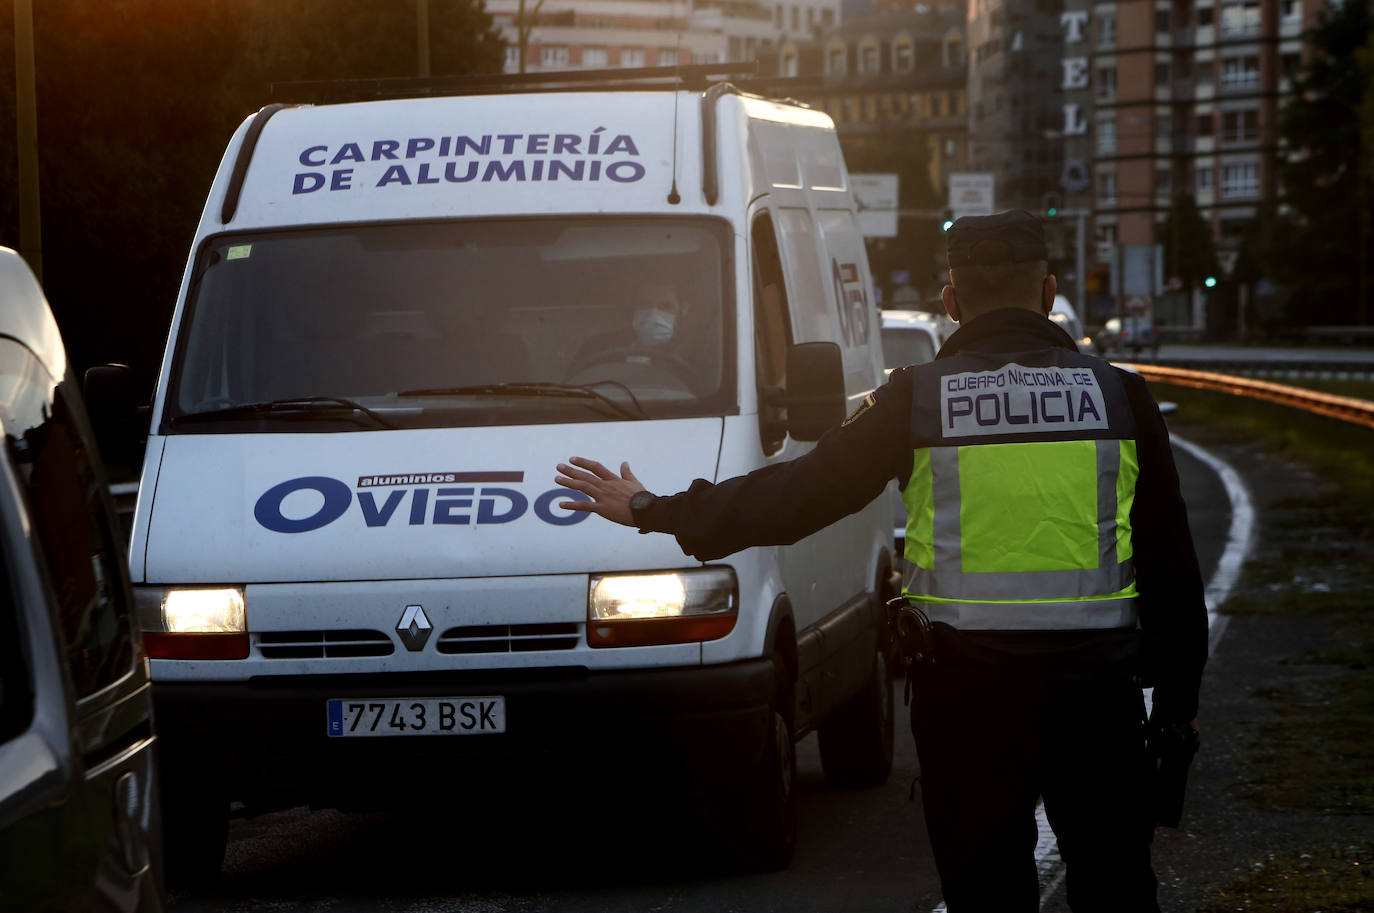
(26, 133)
(422, 35)
(1080, 253)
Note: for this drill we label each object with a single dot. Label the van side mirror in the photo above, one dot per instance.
(814, 398)
(110, 395)
(118, 418)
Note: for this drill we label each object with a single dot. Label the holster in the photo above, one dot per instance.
(912, 631)
(1173, 748)
(914, 639)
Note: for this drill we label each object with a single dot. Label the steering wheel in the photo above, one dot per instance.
(210, 403)
(675, 364)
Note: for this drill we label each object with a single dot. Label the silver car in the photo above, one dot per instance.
(911, 338)
(1064, 314)
(80, 825)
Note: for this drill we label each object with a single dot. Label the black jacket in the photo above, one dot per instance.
(852, 464)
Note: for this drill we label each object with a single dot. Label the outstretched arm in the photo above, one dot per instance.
(774, 505)
(610, 493)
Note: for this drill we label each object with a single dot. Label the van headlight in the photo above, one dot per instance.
(661, 607)
(217, 611)
(193, 622)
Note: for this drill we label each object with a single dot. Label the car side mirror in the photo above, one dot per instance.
(815, 397)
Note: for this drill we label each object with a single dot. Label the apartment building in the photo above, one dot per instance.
(1113, 108)
(897, 77)
(595, 34)
(1015, 100)
(1186, 98)
(892, 78)
(806, 19)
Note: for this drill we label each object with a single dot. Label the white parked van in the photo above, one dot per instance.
(397, 318)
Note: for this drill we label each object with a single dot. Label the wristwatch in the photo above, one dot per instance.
(641, 501)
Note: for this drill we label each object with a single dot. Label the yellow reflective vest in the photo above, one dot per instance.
(1019, 499)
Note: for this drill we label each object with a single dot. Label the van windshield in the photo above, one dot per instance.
(456, 323)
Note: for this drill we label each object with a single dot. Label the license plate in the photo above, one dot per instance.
(416, 716)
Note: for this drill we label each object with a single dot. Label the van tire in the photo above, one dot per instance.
(856, 740)
(757, 828)
(195, 830)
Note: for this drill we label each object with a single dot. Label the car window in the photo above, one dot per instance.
(16, 684)
(75, 534)
(902, 347)
(774, 329)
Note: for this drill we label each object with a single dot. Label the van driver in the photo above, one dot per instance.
(654, 336)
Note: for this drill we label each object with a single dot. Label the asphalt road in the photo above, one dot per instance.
(585, 848)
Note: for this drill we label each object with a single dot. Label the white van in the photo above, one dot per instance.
(397, 318)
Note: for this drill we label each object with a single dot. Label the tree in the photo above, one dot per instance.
(1265, 275)
(1366, 176)
(1186, 237)
(1323, 170)
(467, 40)
(136, 100)
(524, 24)
(342, 39)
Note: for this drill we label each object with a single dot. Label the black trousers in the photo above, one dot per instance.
(991, 741)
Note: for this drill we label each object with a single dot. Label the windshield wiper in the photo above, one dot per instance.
(580, 391)
(313, 406)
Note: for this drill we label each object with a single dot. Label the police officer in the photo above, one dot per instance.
(1048, 545)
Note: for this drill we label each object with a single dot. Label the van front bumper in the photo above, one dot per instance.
(265, 741)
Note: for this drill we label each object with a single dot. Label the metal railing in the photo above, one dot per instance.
(1280, 371)
(1346, 408)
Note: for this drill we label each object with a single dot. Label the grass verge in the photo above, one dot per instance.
(1330, 882)
(1359, 389)
(1314, 756)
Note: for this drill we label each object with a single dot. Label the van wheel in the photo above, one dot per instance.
(195, 831)
(856, 741)
(758, 827)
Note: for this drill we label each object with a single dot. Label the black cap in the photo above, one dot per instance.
(1010, 236)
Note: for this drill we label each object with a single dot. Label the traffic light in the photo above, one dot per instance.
(1051, 205)
(1210, 282)
(947, 219)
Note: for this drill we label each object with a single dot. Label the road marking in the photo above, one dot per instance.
(1239, 539)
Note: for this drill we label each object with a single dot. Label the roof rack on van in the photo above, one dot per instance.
(250, 143)
(696, 77)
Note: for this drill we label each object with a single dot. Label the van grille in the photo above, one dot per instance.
(323, 644)
(510, 638)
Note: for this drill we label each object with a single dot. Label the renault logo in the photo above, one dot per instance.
(414, 628)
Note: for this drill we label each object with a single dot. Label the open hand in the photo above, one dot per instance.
(610, 493)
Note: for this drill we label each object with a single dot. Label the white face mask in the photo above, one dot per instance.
(654, 326)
